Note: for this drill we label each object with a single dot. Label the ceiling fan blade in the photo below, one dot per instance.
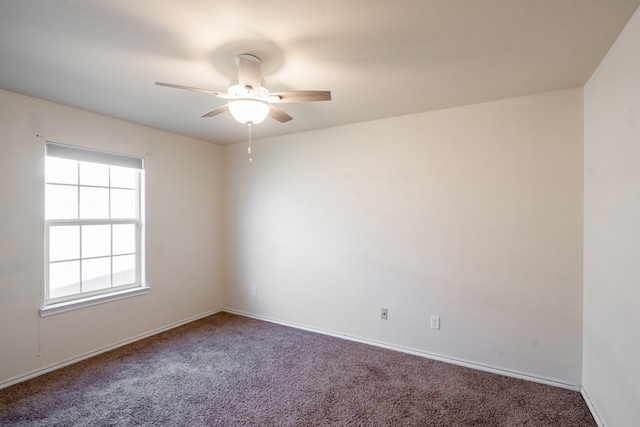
(279, 115)
(300, 96)
(217, 111)
(194, 89)
(249, 72)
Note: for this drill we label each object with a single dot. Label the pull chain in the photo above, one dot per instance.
(250, 141)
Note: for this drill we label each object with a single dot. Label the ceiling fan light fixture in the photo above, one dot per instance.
(249, 110)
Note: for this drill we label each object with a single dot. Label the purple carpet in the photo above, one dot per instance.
(228, 370)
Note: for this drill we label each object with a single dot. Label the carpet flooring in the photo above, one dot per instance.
(229, 370)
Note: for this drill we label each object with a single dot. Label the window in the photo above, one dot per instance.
(93, 226)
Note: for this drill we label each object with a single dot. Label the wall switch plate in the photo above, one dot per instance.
(383, 314)
(254, 291)
(435, 322)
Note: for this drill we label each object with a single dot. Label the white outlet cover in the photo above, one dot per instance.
(435, 322)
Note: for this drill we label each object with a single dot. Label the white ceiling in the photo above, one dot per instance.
(380, 58)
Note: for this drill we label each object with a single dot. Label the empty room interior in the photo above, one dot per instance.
(470, 192)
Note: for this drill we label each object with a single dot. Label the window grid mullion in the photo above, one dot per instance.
(138, 244)
(80, 232)
(81, 259)
(111, 257)
(78, 190)
(92, 257)
(111, 236)
(47, 263)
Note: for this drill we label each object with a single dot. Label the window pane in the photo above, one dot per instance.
(94, 174)
(64, 242)
(60, 171)
(123, 177)
(124, 239)
(124, 270)
(61, 202)
(123, 203)
(94, 203)
(96, 274)
(64, 278)
(96, 240)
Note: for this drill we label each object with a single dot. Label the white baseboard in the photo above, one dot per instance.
(38, 372)
(591, 406)
(407, 350)
(441, 358)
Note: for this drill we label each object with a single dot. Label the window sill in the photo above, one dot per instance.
(87, 302)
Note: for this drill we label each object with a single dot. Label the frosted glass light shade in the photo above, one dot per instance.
(248, 110)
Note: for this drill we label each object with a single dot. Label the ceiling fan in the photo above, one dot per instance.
(249, 102)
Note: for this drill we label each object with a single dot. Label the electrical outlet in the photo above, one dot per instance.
(254, 291)
(383, 314)
(435, 322)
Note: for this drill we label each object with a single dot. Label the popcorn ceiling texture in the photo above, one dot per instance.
(230, 370)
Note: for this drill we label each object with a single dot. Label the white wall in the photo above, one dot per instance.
(473, 214)
(611, 373)
(183, 234)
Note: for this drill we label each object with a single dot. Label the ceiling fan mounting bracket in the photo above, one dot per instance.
(248, 56)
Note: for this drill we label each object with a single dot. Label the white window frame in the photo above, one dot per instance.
(79, 300)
